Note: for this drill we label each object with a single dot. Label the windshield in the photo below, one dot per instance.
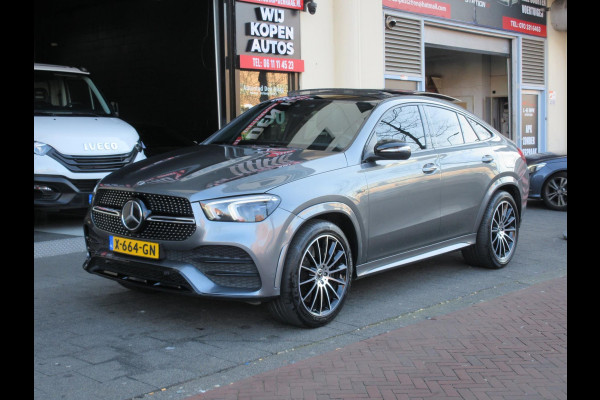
(313, 123)
(56, 93)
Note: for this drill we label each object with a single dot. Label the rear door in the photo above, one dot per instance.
(467, 168)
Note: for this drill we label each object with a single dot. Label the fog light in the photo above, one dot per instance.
(45, 189)
(43, 192)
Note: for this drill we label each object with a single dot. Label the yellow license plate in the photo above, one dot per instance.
(134, 247)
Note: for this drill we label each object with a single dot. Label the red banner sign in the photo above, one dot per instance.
(428, 7)
(293, 4)
(513, 24)
(271, 63)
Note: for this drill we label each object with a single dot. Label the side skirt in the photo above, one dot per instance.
(383, 264)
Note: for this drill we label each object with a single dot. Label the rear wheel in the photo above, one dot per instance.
(497, 235)
(316, 277)
(554, 192)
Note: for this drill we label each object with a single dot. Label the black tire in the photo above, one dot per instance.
(497, 235)
(314, 283)
(554, 192)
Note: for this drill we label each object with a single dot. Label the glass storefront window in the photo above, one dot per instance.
(258, 86)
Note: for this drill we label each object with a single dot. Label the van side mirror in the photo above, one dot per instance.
(390, 150)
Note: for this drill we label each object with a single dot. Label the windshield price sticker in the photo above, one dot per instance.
(134, 247)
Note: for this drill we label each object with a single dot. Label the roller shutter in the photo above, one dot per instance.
(403, 47)
(532, 56)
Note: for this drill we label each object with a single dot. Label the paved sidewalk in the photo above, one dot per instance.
(511, 347)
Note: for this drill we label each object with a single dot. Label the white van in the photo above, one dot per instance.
(77, 138)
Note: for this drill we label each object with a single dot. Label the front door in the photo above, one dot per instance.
(404, 195)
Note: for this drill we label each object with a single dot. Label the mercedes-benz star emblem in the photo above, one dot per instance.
(132, 215)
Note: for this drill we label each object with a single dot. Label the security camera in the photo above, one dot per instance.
(390, 22)
(312, 7)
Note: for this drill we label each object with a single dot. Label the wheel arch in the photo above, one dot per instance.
(550, 175)
(337, 213)
(508, 184)
(344, 222)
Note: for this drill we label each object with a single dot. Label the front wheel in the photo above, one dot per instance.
(497, 235)
(316, 277)
(554, 192)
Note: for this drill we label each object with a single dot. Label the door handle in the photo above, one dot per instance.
(429, 168)
(487, 158)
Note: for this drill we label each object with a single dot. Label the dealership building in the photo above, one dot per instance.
(184, 68)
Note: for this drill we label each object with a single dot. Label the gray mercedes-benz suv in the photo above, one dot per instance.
(298, 196)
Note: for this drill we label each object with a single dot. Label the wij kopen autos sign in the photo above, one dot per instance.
(268, 38)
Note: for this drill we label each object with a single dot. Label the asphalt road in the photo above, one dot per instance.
(94, 339)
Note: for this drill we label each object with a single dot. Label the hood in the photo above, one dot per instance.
(213, 171)
(87, 136)
(541, 157)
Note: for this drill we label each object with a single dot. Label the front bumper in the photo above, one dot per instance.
(220, 259)
(58, 192)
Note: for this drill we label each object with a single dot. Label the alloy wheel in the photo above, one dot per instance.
(556, 191)
(504, 231)
(323, 275)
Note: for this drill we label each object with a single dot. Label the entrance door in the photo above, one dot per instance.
(530, 126)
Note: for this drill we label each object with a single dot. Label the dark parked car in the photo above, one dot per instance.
(298, 196)
(548, 179)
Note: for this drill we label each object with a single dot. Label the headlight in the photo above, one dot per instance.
(241, 209)
(535, 167)
(40, 148)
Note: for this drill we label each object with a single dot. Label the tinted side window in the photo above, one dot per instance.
(468, 132)
(444, 127)
(482, 132)
(402, 124)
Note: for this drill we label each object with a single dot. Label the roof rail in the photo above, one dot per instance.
(438, 96)
(348, 91)
(372, 92)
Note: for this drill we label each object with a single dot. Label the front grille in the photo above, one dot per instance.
(159, 205)
(227, 266)
(85, 185)
(93, 163)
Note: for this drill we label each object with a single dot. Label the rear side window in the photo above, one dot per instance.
(468, 132)
(403, 124)
(482, 132)
(444, 127)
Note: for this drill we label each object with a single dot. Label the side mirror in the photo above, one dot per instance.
(390, 150)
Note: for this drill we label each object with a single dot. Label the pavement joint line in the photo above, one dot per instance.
(403, 316)
(58, 247)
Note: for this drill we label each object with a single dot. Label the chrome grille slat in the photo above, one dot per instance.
(106, 163)
(172, 217)
(159, 204)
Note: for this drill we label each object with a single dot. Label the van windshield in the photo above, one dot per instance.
(314, 123)
(57, 93)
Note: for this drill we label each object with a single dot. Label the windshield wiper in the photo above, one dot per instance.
(86, 113)
(261, 144)
(38, 112)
